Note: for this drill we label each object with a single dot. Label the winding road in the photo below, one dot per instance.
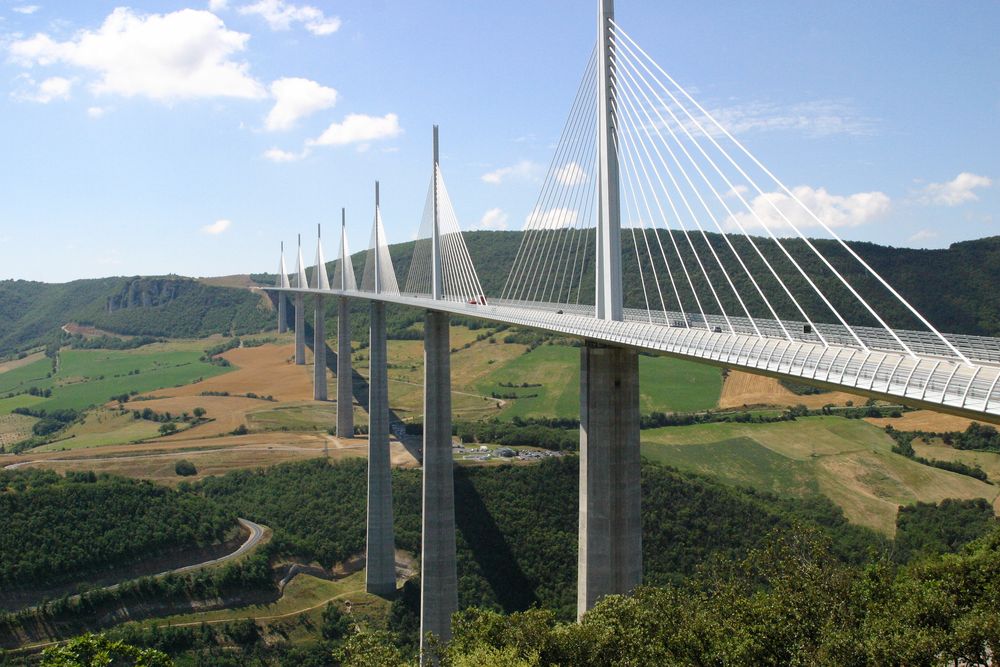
(256, 535)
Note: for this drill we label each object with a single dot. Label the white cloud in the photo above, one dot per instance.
(182, 55)
(26, 9)
(958, 190)
(281, 15)
(571, 174)
(217, 227)
(554, 218)
(97, 112)
(834, 210)
(53, 88)
(525, 169)
(494, 218)
(218, 5)
(923, 235)
(297, 98)
(359, 128)
(278, 155)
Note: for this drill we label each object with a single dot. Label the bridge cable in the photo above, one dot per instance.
(809, 212)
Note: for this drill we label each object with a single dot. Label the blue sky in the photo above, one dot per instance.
(191, 137)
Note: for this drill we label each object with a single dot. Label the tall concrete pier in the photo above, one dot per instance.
(610, 553)
(381, 544)
(300, 311)
(345, 395)
(282, 299)
(319, 351)
(610, 549)
(438, 574)
(300, 330)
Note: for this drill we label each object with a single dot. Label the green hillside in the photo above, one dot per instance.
(32, 313)
(961, 301)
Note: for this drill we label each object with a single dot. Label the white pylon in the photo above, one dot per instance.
(300, 268)
(344, 279)
(320, 278)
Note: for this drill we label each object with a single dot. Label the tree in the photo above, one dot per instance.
(168, 428)
(199, 413)
(336, 624)
(185, 468)
(98, 651)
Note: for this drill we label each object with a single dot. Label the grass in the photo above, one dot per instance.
(20, 401)
(849, 461)
(22, 378)
(303, 594)
(936, 449)
(295, 418)
(665, 384)
(740, 461)
(91, 377)
(103, 427)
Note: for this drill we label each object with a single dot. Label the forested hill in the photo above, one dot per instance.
(31, 313)
(955, 288)
(952, 287)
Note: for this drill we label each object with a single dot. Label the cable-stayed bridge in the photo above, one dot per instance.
(655, 230)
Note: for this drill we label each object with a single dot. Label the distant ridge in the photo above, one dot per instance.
(954, 287)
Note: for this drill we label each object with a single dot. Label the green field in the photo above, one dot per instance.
(91, 377)
(103, 427)
(295, 418)
(849, 461)
(20, 379)
(665, 384)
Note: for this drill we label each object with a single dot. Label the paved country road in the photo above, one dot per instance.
(256, 535)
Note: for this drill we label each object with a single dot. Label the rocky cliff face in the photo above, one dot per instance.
(148, 293)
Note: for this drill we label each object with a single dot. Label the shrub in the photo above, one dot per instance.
(185, 468)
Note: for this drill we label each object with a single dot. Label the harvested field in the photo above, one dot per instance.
(742, 389)
(87, 331)
(924, 420)
(212, 456)
(236, 280)
(14, 429)
(265, 370)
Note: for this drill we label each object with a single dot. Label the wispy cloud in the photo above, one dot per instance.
(495, 218)
(49, 90)
(26, 9)
(553, 218)
(958, 190)
(217, 227)
(923, 235)
(571, 174)
(523, 170)
(282, 15)
(816, 118)
(278, 155)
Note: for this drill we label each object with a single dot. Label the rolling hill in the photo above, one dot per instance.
(960, 299)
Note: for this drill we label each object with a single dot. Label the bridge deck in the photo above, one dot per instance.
(930, 379)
